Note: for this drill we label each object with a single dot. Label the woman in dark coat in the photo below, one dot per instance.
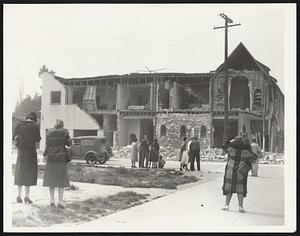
(154, 153)
(240, 157)
(26, 134)
(56, 174)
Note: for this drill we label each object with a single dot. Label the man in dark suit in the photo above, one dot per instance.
(194, 153)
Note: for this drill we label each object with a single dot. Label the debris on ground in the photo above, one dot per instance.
(210, 154)
(272, 158)
(121, 152)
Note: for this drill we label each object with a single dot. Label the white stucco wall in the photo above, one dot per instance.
(127, 127)
(72, 115)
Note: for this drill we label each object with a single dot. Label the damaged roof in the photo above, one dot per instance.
(242, 59)
(135, 75)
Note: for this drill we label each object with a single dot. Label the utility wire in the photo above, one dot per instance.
(151, 40)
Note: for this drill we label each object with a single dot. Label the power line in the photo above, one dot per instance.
(151, 40)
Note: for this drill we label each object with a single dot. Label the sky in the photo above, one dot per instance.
(101, 39)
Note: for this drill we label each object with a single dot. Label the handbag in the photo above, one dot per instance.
(68, 155)
(244, 170)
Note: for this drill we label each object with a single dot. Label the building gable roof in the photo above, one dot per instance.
(242, 59)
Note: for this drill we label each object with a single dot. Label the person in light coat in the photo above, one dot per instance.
(134, 150)
(257, 151)
(184, 157)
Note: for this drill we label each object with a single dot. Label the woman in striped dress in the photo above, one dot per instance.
(240, 158)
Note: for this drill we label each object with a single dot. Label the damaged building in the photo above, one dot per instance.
(170, 106)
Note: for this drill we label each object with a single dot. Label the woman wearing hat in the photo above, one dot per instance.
(26, 135)
(56, 175)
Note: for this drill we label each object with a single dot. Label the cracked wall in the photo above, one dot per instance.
(171, 142)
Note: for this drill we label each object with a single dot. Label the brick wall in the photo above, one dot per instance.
(171, 142)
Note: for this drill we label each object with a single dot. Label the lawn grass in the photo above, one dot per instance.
(126, 177)
(80, 211)
(129, 178)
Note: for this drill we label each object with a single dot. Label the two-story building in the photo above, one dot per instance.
(169, 106)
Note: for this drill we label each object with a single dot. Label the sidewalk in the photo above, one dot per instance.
(193, 208)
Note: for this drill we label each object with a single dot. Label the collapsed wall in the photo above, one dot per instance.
(171, 128)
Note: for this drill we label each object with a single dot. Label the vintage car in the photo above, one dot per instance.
(92, 149)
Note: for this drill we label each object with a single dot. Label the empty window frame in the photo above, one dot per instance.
(257, 98)
(182, 131)
(55, 97)
(163, 130)
(203, 131)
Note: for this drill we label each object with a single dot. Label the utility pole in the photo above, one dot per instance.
(21, 90)
(154, 94)
(265, 87)
(228, 23)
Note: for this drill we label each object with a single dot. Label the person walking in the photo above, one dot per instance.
(134, 150)
(154, 153)
(237, 167)
(56, 175)
(26, 135)
(257, 151)
(144, 152)
(194, 152)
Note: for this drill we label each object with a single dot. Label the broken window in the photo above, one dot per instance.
(239, 97)
(203, 131)
(163, 130)
(244, 129)
(55, 97)
(257, 98)
(182, 131)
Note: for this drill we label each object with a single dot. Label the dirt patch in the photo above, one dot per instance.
(78, 211)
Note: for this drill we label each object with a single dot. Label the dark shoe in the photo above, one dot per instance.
(241, 209)
(19, 200)
(60, 206)
(52, 204)
(27, 200)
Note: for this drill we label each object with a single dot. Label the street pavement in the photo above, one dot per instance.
(198, 207)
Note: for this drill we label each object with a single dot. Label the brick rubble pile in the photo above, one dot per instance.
(121, 152)
(210, 154)
(272, 158)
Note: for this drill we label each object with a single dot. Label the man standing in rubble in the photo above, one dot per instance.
(144, 152)
(194, 153)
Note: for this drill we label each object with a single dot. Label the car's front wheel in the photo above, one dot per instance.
(102, 158)
(91, 158)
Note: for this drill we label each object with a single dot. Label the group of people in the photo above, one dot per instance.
(147, 155)
(25, 137)
(242, 154)
(189, 152)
